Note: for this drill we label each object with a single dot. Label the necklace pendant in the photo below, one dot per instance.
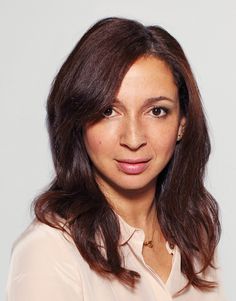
(148, 244)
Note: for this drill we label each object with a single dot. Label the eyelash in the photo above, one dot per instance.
(109, 108)
(165, 110)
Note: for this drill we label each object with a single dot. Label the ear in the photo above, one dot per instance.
(181, 128)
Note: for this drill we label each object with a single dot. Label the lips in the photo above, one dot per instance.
(133, 166)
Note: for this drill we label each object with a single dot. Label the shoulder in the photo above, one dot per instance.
(45, 265)
(41, 246)
(39, 238)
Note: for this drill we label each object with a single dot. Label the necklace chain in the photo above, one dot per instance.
(149, 243)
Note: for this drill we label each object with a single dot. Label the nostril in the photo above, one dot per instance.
(133, 145)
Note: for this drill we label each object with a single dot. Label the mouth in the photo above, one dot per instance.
(133, 166)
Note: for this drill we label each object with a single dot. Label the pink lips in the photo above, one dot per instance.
(133, 167)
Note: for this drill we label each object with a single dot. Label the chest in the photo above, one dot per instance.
(150, 287)
(159, 260)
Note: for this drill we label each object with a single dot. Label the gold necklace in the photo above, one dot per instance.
(149, 243)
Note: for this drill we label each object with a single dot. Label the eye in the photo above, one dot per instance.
(109, 112)
(159, 111)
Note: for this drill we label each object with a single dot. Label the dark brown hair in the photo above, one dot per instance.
(84, 87)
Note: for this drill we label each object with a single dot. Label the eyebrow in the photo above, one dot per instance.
(159, 98)
(149, 100)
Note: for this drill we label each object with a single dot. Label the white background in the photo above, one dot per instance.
(36, 37)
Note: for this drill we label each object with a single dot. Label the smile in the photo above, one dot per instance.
(133, 167)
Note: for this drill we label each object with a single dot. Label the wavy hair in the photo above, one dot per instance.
(84, 87)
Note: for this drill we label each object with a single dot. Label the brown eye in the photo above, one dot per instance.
(108, 112)
(159, 112)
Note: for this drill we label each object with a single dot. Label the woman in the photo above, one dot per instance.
(127, 216)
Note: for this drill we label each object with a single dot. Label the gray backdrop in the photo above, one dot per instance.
(36, 36)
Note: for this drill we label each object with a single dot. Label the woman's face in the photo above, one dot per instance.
(136, 138)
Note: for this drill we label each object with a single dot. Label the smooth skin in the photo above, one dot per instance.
(141, 127)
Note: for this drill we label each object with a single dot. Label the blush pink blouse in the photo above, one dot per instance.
(46, 266)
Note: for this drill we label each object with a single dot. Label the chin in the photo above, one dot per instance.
(133, 185)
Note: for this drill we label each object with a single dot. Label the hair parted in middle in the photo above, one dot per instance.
(85, 86)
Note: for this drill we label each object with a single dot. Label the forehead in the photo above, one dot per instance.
(148, 77)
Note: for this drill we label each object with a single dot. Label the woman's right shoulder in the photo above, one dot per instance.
(44, 263)
(42, 238)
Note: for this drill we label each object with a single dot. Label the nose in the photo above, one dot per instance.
(133, 136)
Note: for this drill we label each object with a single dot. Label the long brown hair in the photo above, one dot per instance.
(84, 87)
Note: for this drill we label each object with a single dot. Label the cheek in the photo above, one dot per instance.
(93, 142)
(97, 140)
(164, 139)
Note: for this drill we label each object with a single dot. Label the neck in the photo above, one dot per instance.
(136, 207)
